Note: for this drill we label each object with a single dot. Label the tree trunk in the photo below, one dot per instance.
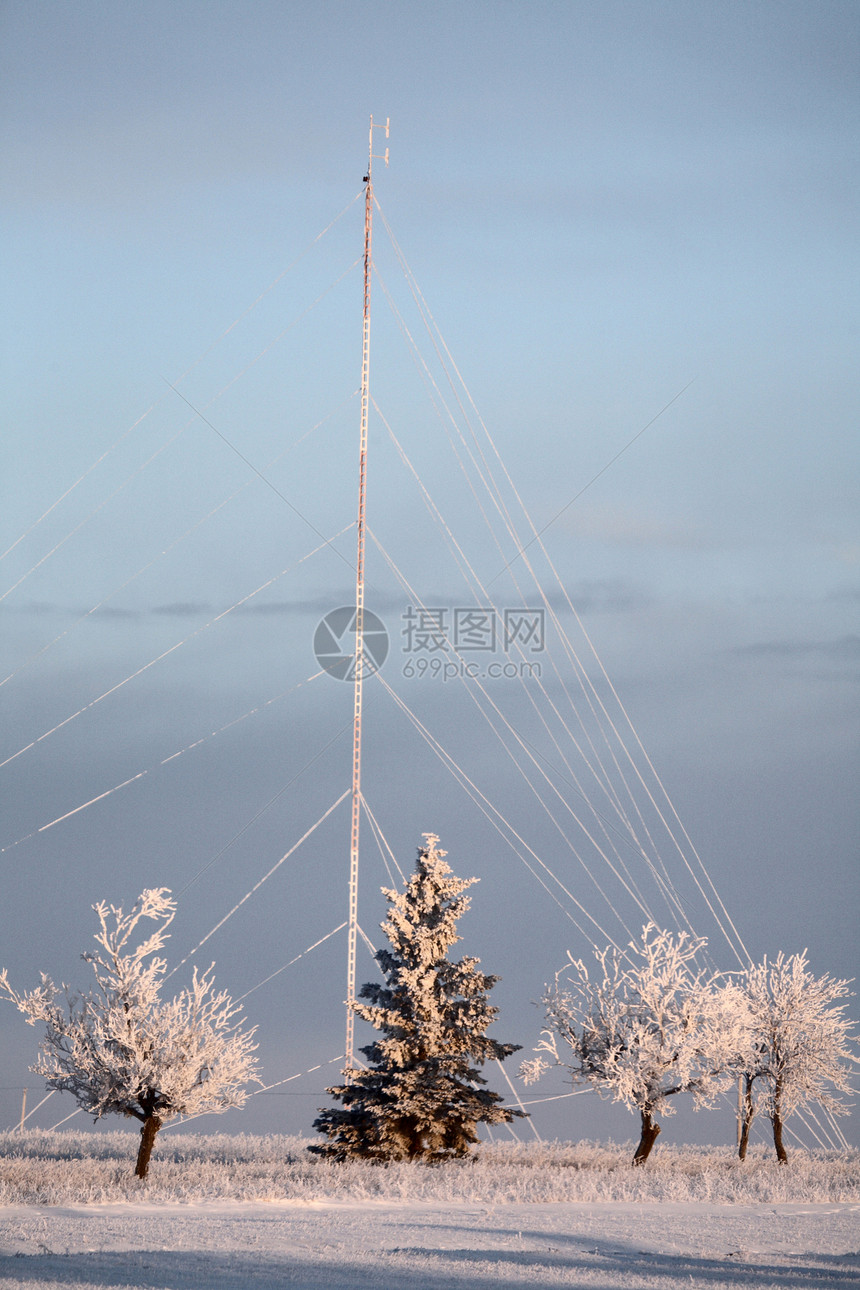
(151, 1125)
(747, 1113)
(781, 1153)
(650, 1132)
(776, 1121)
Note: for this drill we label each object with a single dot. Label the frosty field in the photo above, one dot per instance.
(230, 1212)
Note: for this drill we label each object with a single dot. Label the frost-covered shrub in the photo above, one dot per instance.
(650, 1026)
(797, 1044)
(122, 1049)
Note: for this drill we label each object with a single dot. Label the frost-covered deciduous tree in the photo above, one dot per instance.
(797, 1051)
(421, 1096)
(123, 1049)
(651, 1025)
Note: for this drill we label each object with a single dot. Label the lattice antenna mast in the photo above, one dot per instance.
(359, 606)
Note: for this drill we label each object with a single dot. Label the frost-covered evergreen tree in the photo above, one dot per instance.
(653, 1025)
(123, 1049)
(421, 1096)
(797, 1052)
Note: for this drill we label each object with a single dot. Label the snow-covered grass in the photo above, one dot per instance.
(64, 1168)
(229, 1213)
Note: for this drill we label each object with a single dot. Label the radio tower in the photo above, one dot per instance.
(359, 609)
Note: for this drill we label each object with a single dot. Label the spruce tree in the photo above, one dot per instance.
(421, 1096)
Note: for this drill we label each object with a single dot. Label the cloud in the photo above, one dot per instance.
(851, 594)
(601, 596)
(626, 527)
(315, 605)
(182, 609)
(606, 595)
(52, 608)
(846, 648)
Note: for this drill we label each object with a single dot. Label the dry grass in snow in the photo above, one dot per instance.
(64, 1168)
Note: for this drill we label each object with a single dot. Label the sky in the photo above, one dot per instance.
(634, 226)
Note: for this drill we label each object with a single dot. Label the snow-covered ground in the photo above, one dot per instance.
(226, 1213)
(382, 1245)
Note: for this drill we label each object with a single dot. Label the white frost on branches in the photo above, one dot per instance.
(797, 1051)
(650, 1025)
(121, 1048)
(422, 1095)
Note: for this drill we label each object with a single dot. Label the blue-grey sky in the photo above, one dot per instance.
(616, 212)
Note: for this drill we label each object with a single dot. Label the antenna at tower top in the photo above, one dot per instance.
(380, 156)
